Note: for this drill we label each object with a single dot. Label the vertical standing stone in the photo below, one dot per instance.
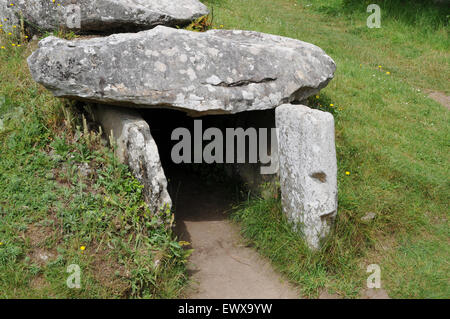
(136, 148)
(308, 169)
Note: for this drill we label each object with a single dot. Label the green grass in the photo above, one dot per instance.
(391, 137)
(49, 209)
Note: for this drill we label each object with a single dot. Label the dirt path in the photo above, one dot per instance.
(221, 266)
(440, 98)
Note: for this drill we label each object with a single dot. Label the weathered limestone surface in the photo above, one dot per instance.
(215, 72)
(104, 15)
(8, 18)
(136, 147)
(308, 169)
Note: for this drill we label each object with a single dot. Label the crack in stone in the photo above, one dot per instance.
(244, 82)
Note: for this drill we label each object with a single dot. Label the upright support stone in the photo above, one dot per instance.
(308, 169)
(136, 148)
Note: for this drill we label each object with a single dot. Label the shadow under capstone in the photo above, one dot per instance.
(201, 191)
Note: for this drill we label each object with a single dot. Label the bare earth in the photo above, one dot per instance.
(221, 266)
(440, 98)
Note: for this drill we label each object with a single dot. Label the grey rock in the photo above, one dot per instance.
(215, 72)
(368, 217)
(308, 170)
(103, 15)
(84, 169)
(136, 148)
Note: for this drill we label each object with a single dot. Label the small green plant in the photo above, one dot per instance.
(201, 24)
(61, 33)
(323, 103)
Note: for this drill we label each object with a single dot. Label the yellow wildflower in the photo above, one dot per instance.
(83, 248)
(347, 173)
(388, 73)
(331, 104)
(184, 243)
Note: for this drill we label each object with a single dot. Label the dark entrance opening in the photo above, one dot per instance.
(201, 191)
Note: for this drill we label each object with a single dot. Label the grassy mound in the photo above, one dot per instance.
(65, 200)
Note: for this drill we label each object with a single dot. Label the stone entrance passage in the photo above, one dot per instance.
(221, 266)
(221, 75)
(146, 87)
(244, 169)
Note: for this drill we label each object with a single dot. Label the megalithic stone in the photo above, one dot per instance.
(101, 15)
(202, 73)
(308, 170)
(136, 148)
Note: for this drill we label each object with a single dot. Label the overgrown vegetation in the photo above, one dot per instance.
(201, 24)
(64, 199)
(392, 144)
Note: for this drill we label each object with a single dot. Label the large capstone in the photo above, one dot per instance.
(103, 15)
(215, 72)
(136, 147)
(308, 169)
